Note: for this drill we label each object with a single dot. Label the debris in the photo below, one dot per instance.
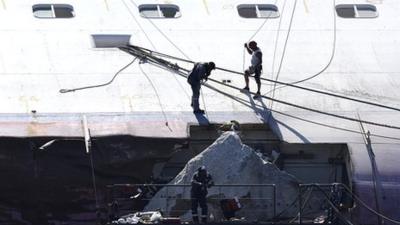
(150, 217)
(230, 162)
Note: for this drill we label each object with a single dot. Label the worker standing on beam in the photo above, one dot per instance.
(255, 68)
(200, 72)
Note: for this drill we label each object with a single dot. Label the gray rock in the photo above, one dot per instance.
(231, 162)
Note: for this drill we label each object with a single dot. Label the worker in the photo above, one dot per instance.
(255, 68)
(199, 73)
(200, 182)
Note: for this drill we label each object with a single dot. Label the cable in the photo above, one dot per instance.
(255, 33)
(99, 85)
(262, 25)
(304, 204)
(318, 91)
(276, 40)
(93, 179)
(173, 44)
(302, 119)
(332, 204)
(284, 51)
(140, 26)
(332, 54)
(169, 65)
(333, 49)
(162, 33)
(367, 207)
(371, 155)
(148, 38)
(158, 96)
(313, 110)
(152, 53)
(182, 74)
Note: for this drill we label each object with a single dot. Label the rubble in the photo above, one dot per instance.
(231, 162)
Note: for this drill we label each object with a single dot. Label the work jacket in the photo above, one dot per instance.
(198, 73)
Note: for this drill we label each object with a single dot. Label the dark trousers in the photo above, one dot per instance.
(195, 96)
(203, 205)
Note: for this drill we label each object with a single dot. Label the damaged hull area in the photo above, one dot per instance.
(58, 184)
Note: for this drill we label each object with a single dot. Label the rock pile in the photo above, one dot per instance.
(231, 162)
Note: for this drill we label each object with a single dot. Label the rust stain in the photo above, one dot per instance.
(38, 129)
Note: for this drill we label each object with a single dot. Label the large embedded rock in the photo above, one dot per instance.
(231, 162)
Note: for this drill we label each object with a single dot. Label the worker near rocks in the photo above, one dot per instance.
(200, 72)
(201, 181)
(255, 68)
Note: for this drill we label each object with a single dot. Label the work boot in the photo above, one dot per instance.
(198, 111)
(245, 89)
(257, 95)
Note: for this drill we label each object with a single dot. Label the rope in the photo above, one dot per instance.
(369, 208)
(332, 54)
(99, 85)
(173, 44)
(244, 102)
(158, 96)
(255, 33)
(332, 204)
(371, 155)
(183, 74)
(304, 204)
(333, 49)
(168, 64)
(140, 26)
(318, 91)
(313, 110)
(162, 33)
(276, 40)
(149, 39)
(151, 53)
(93, 179)
(284, 51)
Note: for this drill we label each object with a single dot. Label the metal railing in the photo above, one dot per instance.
(328, 197)
(261, 197)
(174, 199)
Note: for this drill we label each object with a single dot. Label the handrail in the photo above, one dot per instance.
(273, 186)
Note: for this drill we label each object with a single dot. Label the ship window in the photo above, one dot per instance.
(258, 11)
(110, 40)
(53, 11)
(159, 11)
(356, 11)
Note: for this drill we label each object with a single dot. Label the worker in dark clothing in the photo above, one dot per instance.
(200, 182)
(255, 68)
(200, 72)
